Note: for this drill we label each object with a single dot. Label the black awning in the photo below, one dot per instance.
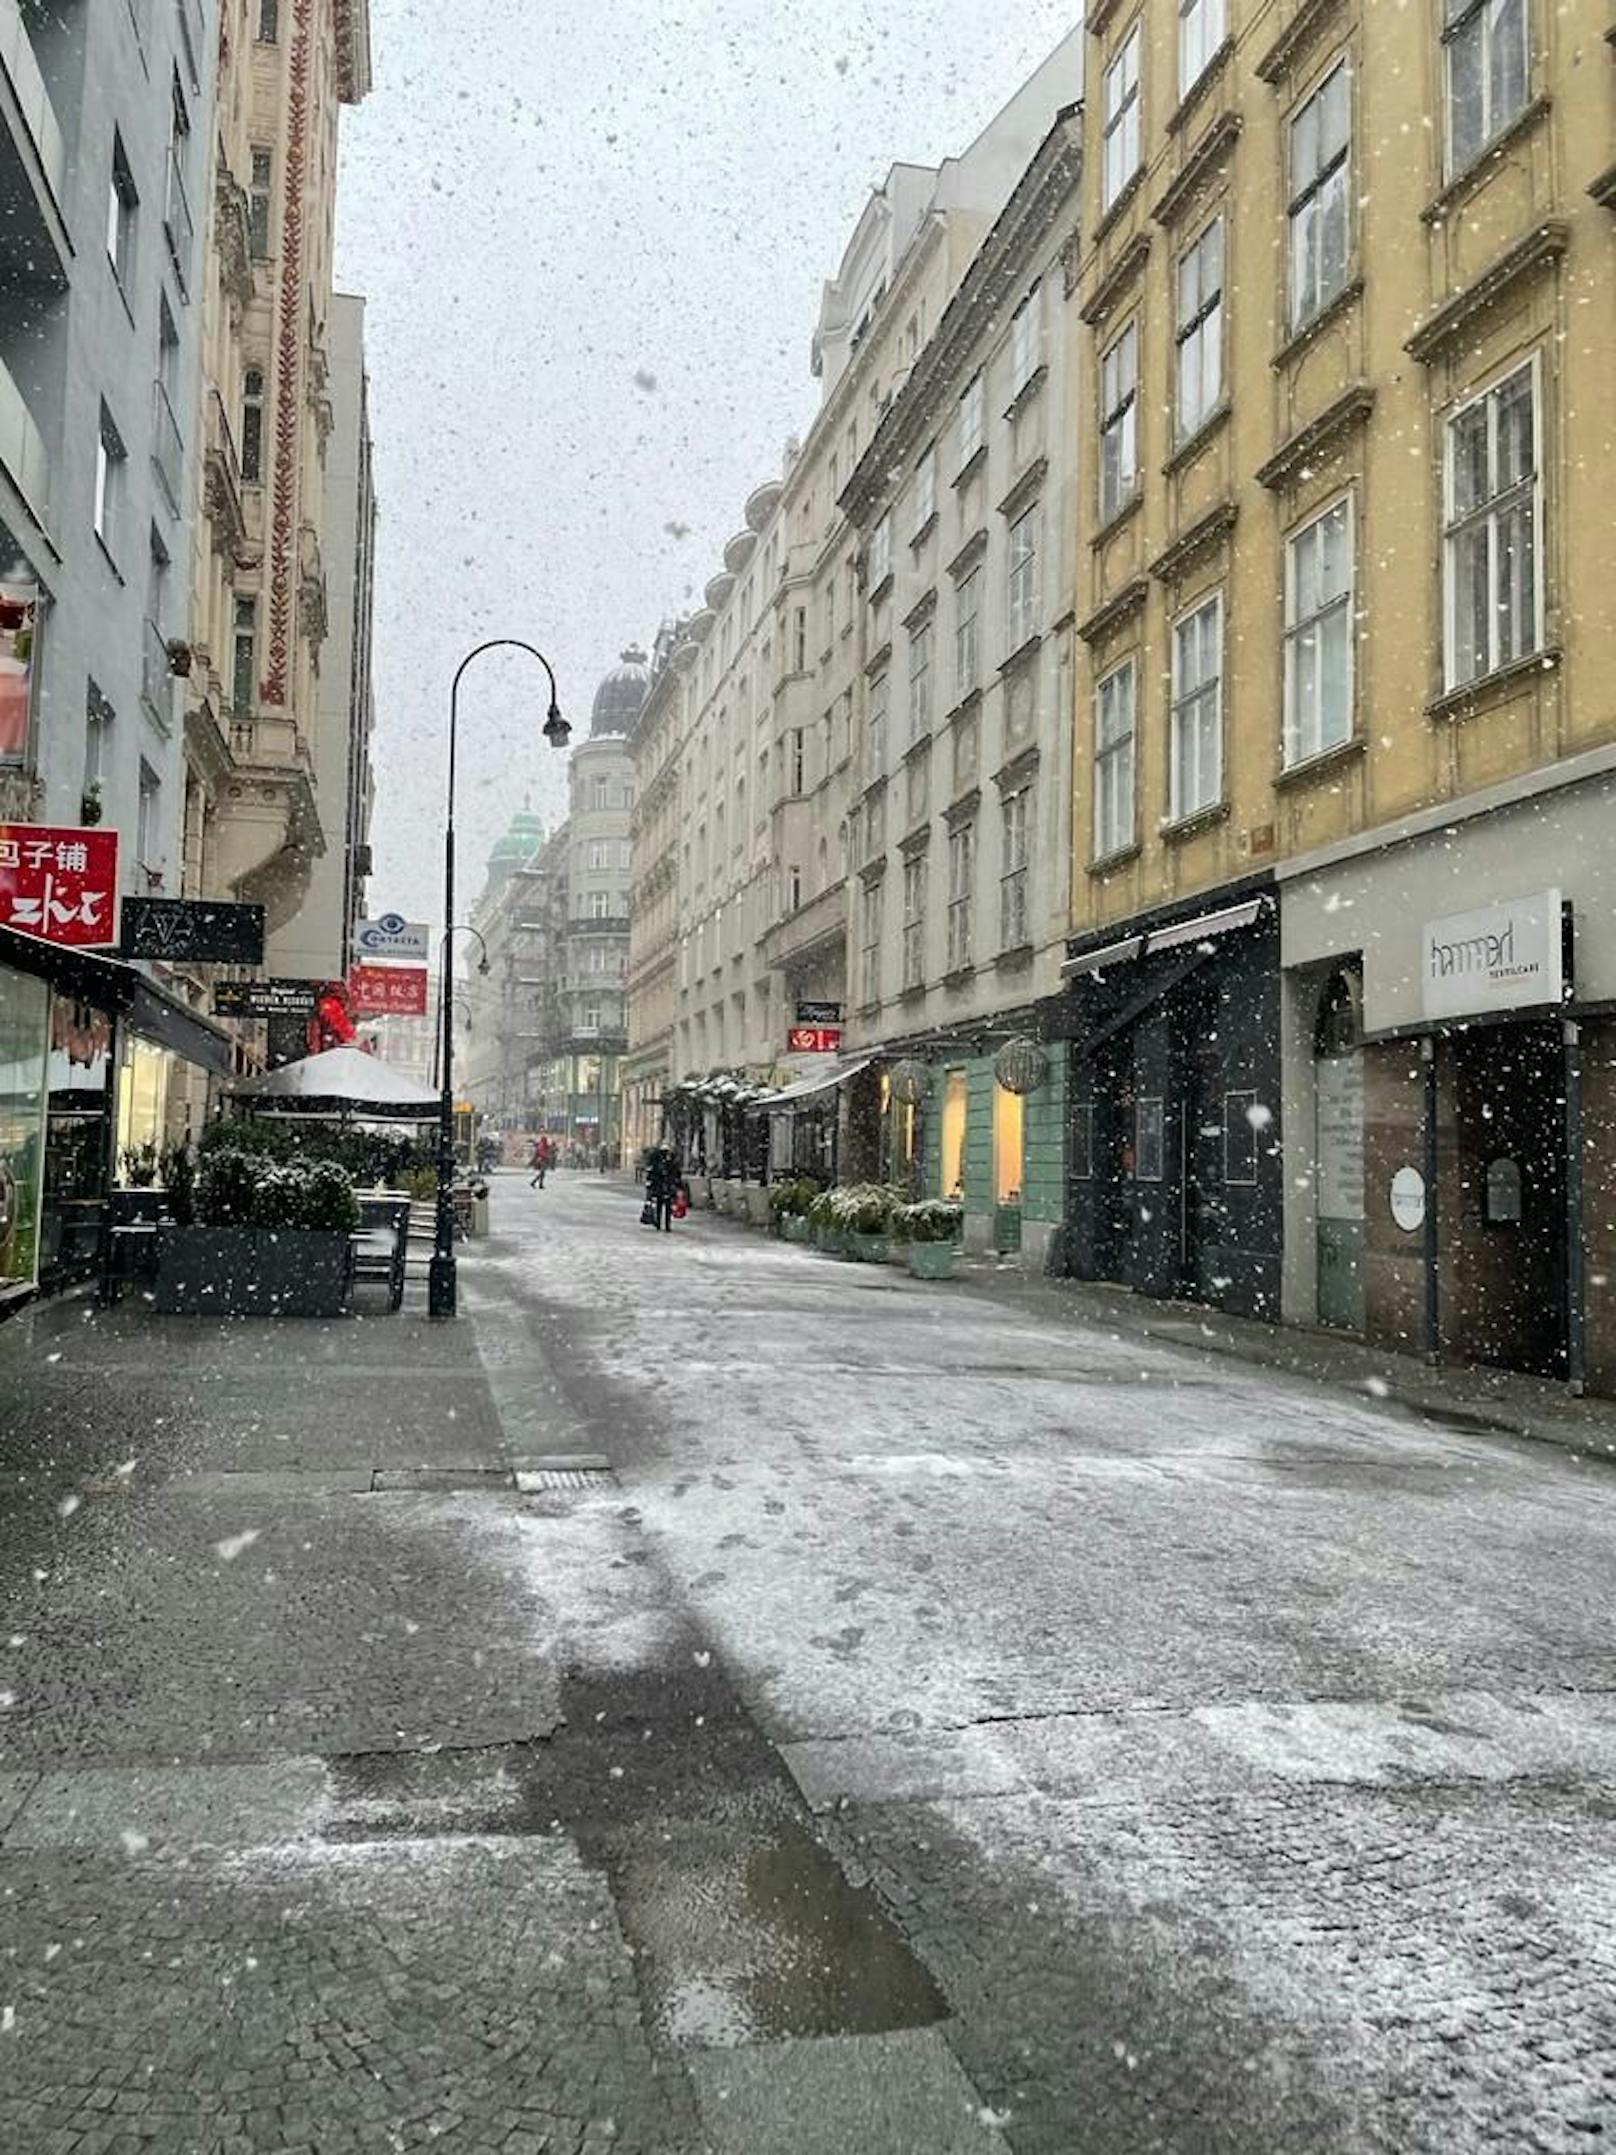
(109, 984)
(162, 1018)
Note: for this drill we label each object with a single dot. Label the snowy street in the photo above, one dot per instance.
(950, 1726)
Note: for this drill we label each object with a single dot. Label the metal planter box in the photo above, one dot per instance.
(252, 1272)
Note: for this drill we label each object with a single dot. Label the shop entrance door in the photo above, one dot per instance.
(1338, 1153)
(1113, 1144)
(1202, 1199)
(1511, 1248)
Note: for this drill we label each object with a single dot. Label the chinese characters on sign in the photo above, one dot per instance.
(387, 991)
(59, 884)
(814, 1040)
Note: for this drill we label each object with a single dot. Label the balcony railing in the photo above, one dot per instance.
(156, 676)
(28, 87)
(178, 223)
(168, 450)
(22, 446)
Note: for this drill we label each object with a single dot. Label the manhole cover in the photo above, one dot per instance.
(404, 1478)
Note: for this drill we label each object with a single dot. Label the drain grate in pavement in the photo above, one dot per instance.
(565, 1470)
(396, 1479)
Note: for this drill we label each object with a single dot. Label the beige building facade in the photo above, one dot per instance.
(1344, 698)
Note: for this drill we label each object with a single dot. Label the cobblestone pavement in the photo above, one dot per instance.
(956, 1728)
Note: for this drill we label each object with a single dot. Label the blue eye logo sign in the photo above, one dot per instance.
(390, 935)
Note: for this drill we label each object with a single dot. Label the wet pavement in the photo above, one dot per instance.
(716, 1698)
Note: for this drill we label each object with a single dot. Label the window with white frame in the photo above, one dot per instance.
(1026, 340)
(1196, 780)
(1318, 633)
(1494, 540)
(1320, 195)
(1200, 33)
(1023, 592)
(971, 407)
(881, 552)
(1200, 330)
(870, 955)
(875, 728)
(1119, 151)
(123, 202)
(926, 489)
(1015, 815)
(961, 890)
(914, 921)
(1114, 701)
(1119, 422)
(111, 476)
(920, 680)
(967, 605)
(1487, 45)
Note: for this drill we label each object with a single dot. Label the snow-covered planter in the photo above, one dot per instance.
(757, 1203)
(932, 1260)
(252, 1272)
(931, 1230)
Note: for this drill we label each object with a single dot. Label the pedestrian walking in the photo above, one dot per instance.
(662, 1185)
(541, 1162)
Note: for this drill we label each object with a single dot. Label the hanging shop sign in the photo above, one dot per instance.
(814, 1040)
(1506, 956)
(387, 991)
(59, 883)
(392, 936)
(19, 615)
(266, 999)
(1408, 1199)
(192, 931)
(819, 1013)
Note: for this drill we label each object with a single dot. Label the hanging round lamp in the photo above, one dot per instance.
(911, 1081)
(1021, 1065)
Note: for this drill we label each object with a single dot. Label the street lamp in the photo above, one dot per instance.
(441, 1285)
(461, 927)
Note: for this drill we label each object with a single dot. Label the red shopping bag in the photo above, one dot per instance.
(681, 1205)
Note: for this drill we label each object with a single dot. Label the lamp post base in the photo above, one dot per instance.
(440, 1287)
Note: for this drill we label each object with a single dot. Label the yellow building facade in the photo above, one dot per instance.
(1344, 917)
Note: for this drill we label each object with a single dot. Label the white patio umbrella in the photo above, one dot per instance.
(340, 1081)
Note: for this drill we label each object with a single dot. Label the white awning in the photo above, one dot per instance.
(824, 1081)
(1095, 961)
(1204, 926)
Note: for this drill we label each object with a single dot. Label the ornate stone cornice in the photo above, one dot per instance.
(1206, 531)
(1127, 266)
(289, 386)
(1349, 410)
(1546, 242)
(1281, 56)
(1105, 618)
(1210, 152)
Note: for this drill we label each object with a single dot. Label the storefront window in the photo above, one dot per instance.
(954, 1134)
(24, 1021)
(142, 1111)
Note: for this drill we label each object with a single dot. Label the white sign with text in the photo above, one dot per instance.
(392, 936)
(1499, 957)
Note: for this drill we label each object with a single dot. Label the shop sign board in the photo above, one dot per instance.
(194, 931)
(814, 1040)
(266, 999)
(1505, 956)
(819, 1013)
(1408, 1199)
(60, 883)
(387, 991)
(392, 936)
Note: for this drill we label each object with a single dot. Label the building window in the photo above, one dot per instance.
(98, 716)
(1320, 208)
(123, 201)
(1113, 761)
(597, 855)
(914, 922)
(1024, 591)
(966, 605)
(1494, 529)
(1014, 811)
(269, 21)
(1318, 634)
(961, 883)
(602, 793)
(926, 489)
(244, 658)
(263, 166)
(881, 552)
(795, 751)
(1200, 330)
(1119, 437)
(875, 731)
(1489, 68)
(870, 957)
(1197, 737)
(920, 681)
(1200, 33)
(149, 826)
(111, 468)
(971, 406)
(252, 426)
(600, 905)
(1027, 340)
(799, 641)
(1120, 147)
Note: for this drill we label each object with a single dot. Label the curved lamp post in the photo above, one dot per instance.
(461, 927)
(441, 1285)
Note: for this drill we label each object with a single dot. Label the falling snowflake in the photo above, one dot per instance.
(235, 1545)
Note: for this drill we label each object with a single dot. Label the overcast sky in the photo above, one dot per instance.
(592, 235)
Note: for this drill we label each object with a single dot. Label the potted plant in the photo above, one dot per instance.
(825, 1225)
(179, 658)
(866, 1215)
(269, 1239)
(931, 1230)
(90, 810)
(789, 1204)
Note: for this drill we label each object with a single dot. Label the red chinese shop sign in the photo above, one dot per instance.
(59, 883)
(814, 1040)
(387, 991)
